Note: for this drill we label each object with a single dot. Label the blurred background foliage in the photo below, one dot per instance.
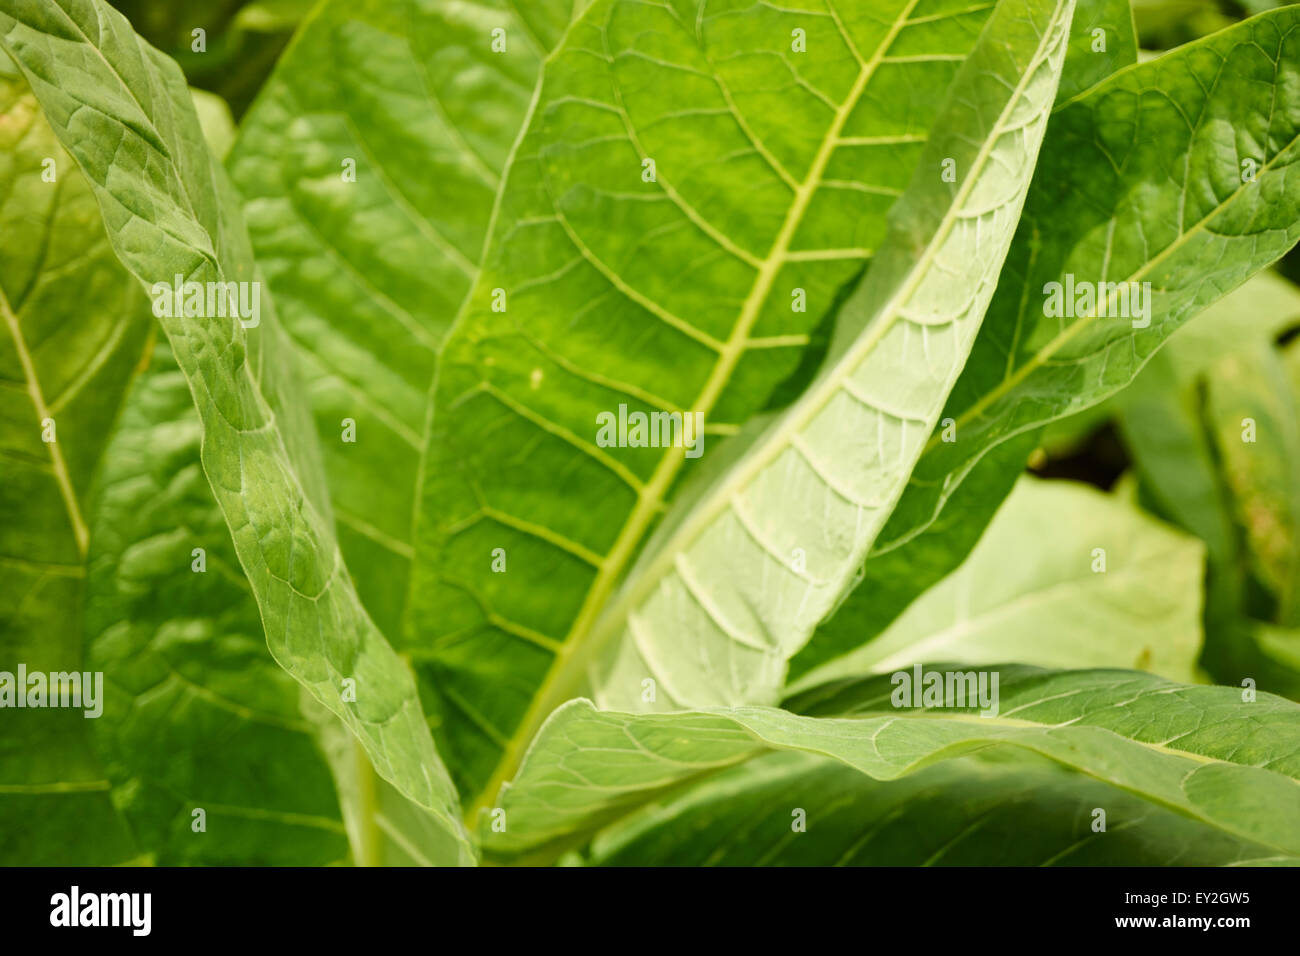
(241, 40)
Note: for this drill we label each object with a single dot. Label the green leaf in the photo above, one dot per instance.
(1199, 751)
(972, 811)
(1259, 308)
(271, 16)
(1184, 441)
(602, 266)
(1037, 590)
(215, 120)
(1161, 419)
(62, 378)
(1194, 235)
(1102, 40)
(196, 713)
(369, 166)
(1254, 313)
(1283, 644)
(735, 588)
(169, 210)
(1141, 180)
(1161, 415)
(1254, 416)
(279, 778)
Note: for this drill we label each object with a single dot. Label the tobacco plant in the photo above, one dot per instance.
(596, 432)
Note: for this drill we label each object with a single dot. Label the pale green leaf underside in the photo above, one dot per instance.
(971, 811)
(169, 210)
(1199, 751)
(1037, 591)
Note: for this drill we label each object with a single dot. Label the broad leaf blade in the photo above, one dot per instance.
(1199, 751)
(169, 210)
(677, 294)
(72, 330)
(737, 585)
(972, 811)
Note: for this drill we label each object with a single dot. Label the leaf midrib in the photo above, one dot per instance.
(80, 533)
(568, 665)
(764, 747)
(1190, 810)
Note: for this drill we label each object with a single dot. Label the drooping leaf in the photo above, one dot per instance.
(173, 625)
(1199, 751)
(1175, 172)
(193, 713)
(1168, 199)
(1065, 576)
(169, 210)
(1254, 313)
(791, 809)
(197, 716)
